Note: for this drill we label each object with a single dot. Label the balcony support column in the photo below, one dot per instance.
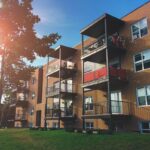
(108, 76)
(59, 87)
(83, 102)
(45, 121)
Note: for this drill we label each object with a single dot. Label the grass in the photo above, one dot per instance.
(24, 139)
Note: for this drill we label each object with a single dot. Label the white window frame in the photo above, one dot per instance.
(91, 125)
(33, 95)
(55, 125)
(91, 98)
(141, 126)
(139, 29)
(146, 105)
(140, 61)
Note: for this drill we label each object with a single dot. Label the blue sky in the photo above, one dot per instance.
(68, 17)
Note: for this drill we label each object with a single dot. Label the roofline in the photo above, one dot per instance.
(93, 22)
(135, 9)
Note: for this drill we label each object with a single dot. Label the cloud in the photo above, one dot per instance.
(51, 16)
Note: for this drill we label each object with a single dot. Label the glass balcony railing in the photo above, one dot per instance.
(65, 88)
(120, 74)
(55, 66)
(94, 46)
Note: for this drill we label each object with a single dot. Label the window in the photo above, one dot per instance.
(33, 95)
(32, 111)
(142, 60)
(139, 29)
(56, 103)
(55, 124)
(145, 126)
(88, 103)
(89, 125)
(33, 80)
(143, 96)
(30, 124)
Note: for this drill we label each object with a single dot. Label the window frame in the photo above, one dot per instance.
(141, 126)
(137, 102)
(141, 61)
(91, 97)
(139, 29)
(33, 93)
(55, 125)
(91, 125)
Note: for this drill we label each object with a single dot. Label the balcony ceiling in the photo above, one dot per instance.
(97, 28)
(66, 52)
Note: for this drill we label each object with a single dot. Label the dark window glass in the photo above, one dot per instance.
(138, 57)
(138, 66)
(145, 125)
(148, 100)
(142, 100)
(147, 64)
(144, 31)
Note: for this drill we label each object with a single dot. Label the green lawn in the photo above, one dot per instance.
(24, 139)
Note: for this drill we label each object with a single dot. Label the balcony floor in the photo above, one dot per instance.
(105, 116)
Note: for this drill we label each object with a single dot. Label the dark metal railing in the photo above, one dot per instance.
(117, 107)
(60, 112)
(21, 117)
(22, 102)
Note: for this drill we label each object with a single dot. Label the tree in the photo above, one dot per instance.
(19, 41)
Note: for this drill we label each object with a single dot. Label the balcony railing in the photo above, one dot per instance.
(65, 88)
(114, 40)
(21, 103)
(102, 73)
(101, 108)
(21, 117)
(94, 46)
(62, 112)
(55, 66)
(53, 113)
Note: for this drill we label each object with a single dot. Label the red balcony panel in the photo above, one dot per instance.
(113, 72)
(89, 77)
(120, 73)
(97, 74)
(100, 73)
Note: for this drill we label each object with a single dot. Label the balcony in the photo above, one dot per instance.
(66, 90)
(116, 44)
(101, 75)
(66, 67)
(62, 113)
(100, 110)
(21, 117)
(52, 113)
(21, 103)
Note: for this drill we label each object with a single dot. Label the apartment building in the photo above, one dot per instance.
(101, 83)
(119, 71)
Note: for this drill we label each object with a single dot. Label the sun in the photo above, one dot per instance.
(1, 4)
